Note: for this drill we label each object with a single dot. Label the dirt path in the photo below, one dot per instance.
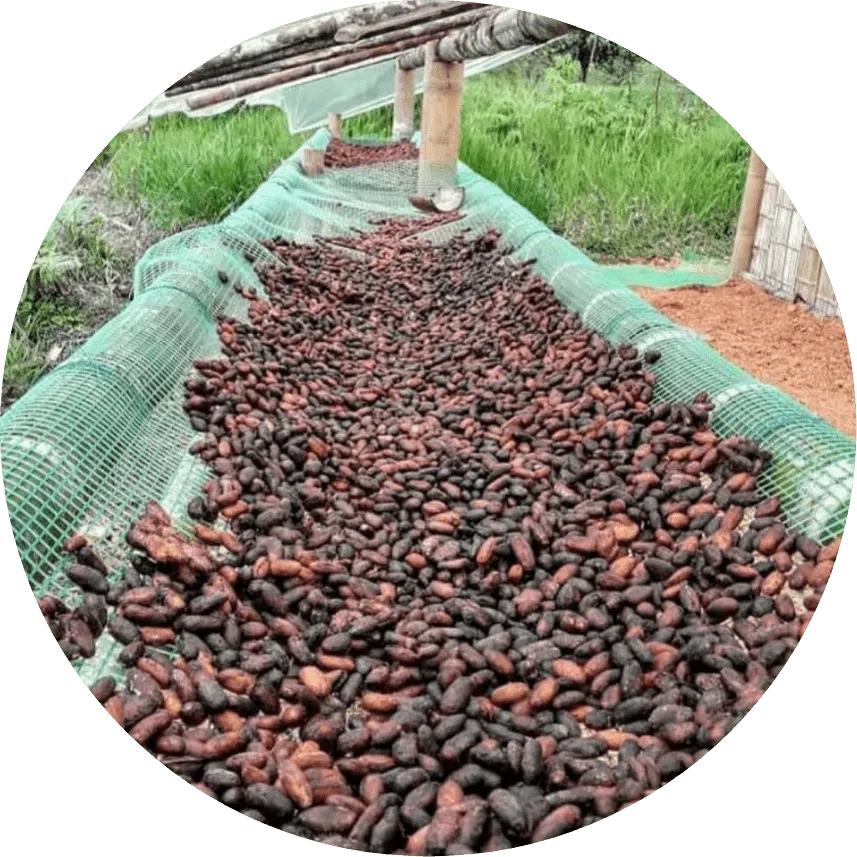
(779, 343)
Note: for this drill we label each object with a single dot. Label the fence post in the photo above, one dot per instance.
(745, 234)
(809, 272)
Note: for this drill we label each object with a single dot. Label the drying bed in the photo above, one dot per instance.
(414, 558)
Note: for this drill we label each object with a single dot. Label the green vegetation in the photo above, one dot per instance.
(185, 171)
(35, 327)
(637, 168)
(629, 164)
(24, 362)
(73, 250)
(73, 256)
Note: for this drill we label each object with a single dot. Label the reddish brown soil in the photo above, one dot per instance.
(779, 343)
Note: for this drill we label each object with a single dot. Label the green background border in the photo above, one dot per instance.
(73, 72)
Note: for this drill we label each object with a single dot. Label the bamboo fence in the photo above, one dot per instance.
(785, 260)
(774, 247)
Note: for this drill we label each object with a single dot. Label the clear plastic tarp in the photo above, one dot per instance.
(349, 92)
(357, 90)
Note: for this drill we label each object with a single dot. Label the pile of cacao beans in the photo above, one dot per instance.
(456, 584)
(340, 154)
(78, 628)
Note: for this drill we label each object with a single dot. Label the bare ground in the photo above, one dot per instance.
(779, 343)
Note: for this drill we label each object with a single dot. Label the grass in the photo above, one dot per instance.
(185, 171)
(35, 327)
(637, 168)
(25, 361)
(72, 250)
(52, 308)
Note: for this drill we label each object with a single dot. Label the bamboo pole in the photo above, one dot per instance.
(443, 84)
(334, 125)
(500, 30)
(403, 106)
(270, 60)
(244, 70)
(312, 161)
(808, 277)
(357, 31)
(745, 234)
(317, 27)
(315, 32)
(239, 90)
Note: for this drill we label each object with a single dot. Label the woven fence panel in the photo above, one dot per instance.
(785, 260)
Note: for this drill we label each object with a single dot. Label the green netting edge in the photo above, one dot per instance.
(658, 278)
(812, 463)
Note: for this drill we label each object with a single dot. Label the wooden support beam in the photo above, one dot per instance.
(350, 33)
(403, 106)
(313, 29)
(312, 161)
(745, 234)
(499, 30)
(298, 56)
(443, 84)
(334, 125)
(241, 88)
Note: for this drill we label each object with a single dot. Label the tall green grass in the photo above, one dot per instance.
(73, 255)
(186, 171)
(622, 170)
(618, 172)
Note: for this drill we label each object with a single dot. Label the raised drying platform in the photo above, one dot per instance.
(104, 433)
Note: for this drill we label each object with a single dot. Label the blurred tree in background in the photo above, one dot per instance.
(589, 51)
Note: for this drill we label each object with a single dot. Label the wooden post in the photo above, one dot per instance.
(443, 84)
(334, 125)
(742, 250)
(403, 108)
(312, 161)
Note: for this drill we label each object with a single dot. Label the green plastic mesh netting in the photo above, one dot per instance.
(104, 433)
